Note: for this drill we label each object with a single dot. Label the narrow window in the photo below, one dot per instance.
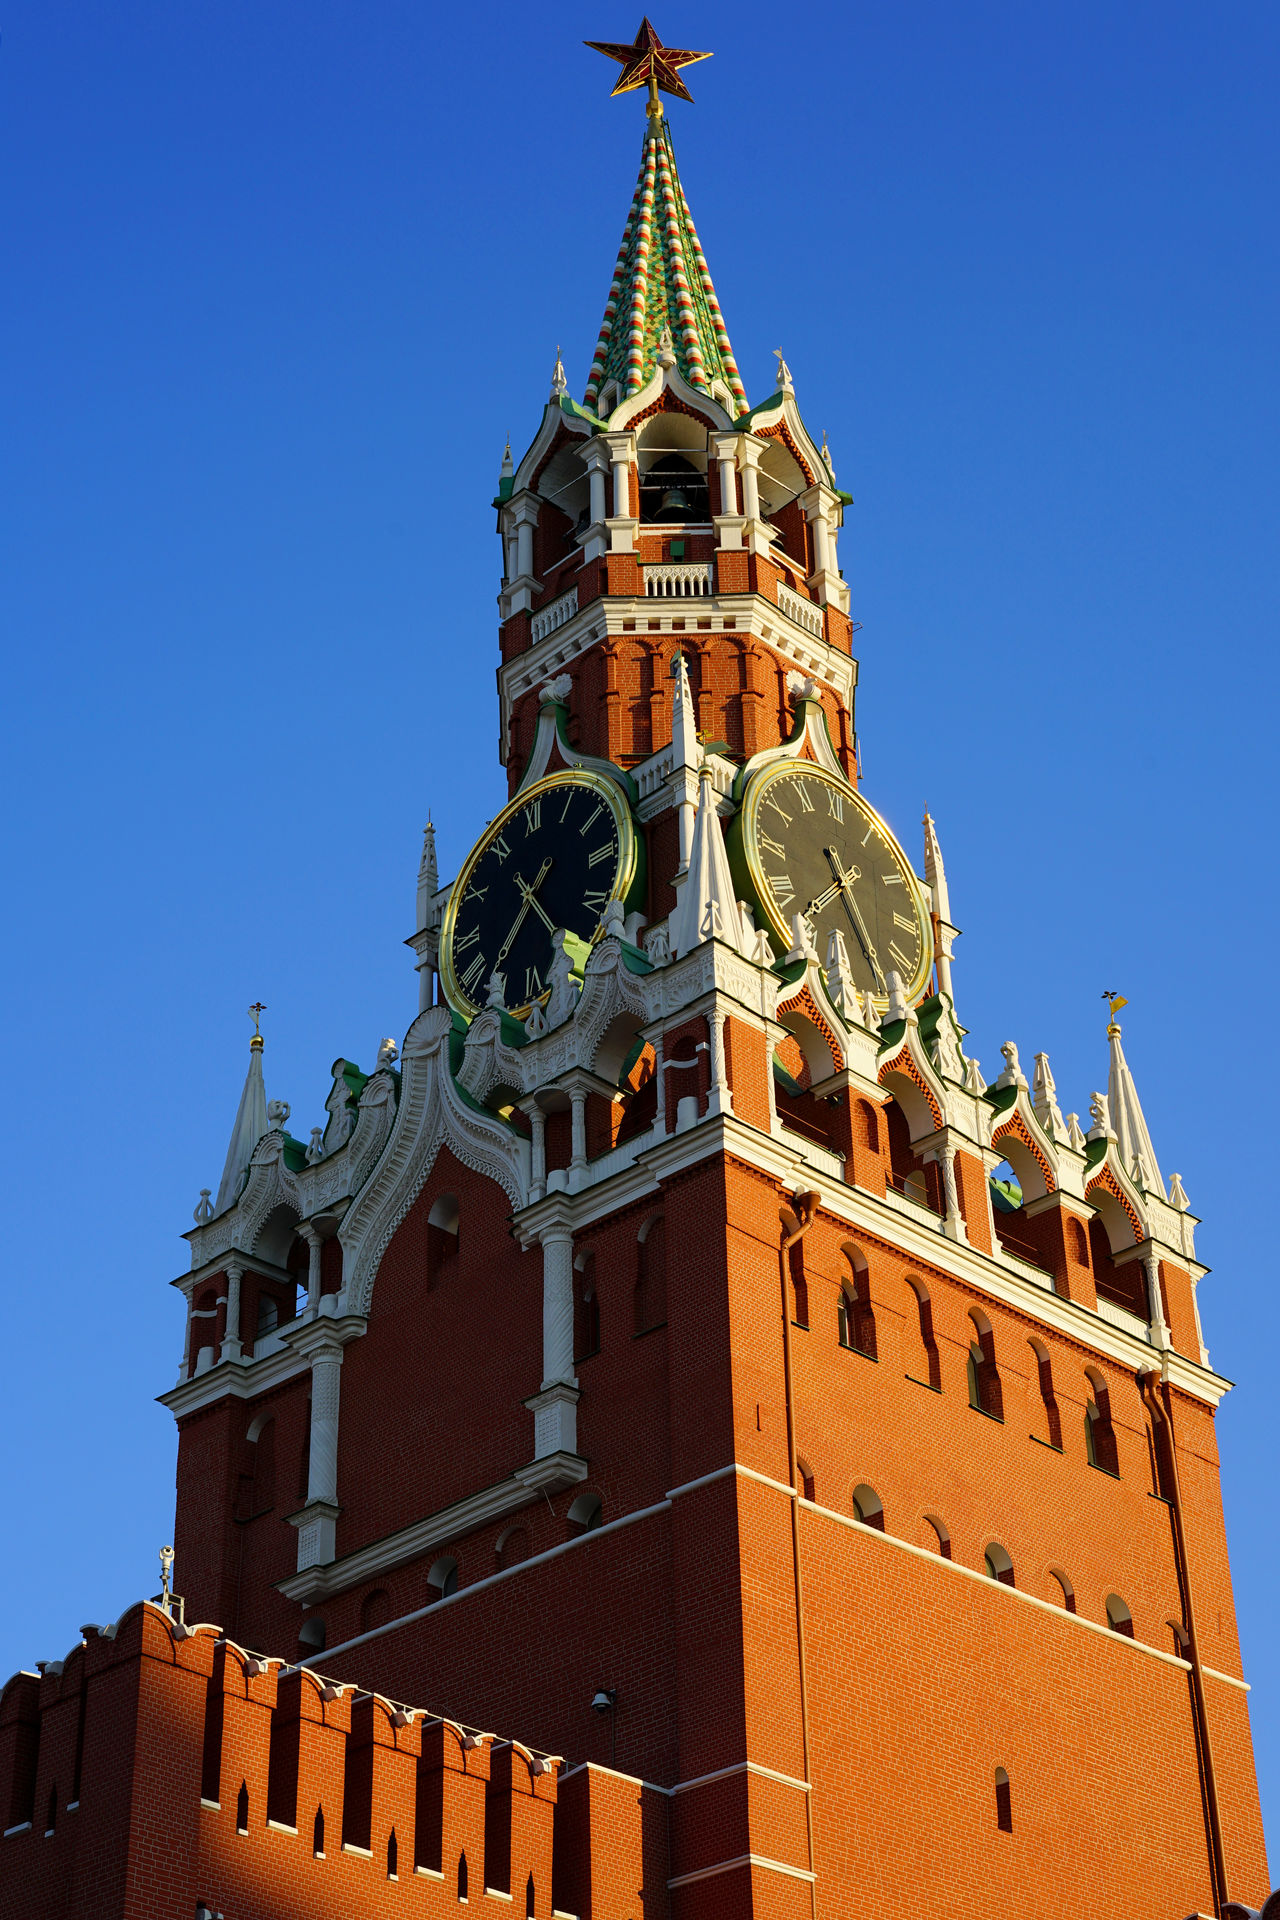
(1048, 1399)
(1068, 1591)
(1119, 1618)
(1079, 1243)
(941, 1543)
(530, 1900)
(586, 1513)
(1004, 1806)
(870, 1126)
(312, 1637)
(211, 1759)
(242, 1809)
(799, 1285)
(984, 1380)
(51, 1812)
(462, 1876)
(806, 1485)
(1099, 1434)
(867, 1507)
(79, 1760)
(392, 1854)
(998, 1564)
(443, 1578)
(317, 1834)
(856, 1316)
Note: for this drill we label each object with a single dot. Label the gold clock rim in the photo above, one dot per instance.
(457, 997)
(751, 801)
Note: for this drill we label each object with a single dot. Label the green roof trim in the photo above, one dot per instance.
(1094, 1150)
(1001, 1098)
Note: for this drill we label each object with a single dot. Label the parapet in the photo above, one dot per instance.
(162, 1767)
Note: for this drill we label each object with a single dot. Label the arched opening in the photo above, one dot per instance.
(1099, 1433)
(1079, 1241)
(393, 1855)
(462, 1876)
(1004, 1805)
(443, 1578)
(512, 1547)
(586, 1309)
(1181, 1639)
(940, 1542)
(312, 1636)
(1052, 1434)
(806, 1485)
(923, 1363)
(867, 1508)
(268, 1317)
(907, 1117)
(856, 1316)
(1119, 1618)
(202, 1339)
(586, 1513)
(998, 1564)
(869, 1125)
(442, 1238)
(1065, 1589)
(673, 491)
(242, 1809)
(985, 1392)
(375, 1610)
(651, 1275)
(1111, 1232)
(799, 1285)
(530, 1899)
(317, 1834)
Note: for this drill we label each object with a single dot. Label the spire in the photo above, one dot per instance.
(559, 379)
(685, 751)
(428, 875)
(250, 1124)
(1127, 1120)
(936, 878)
(662, 281)
(707, 908)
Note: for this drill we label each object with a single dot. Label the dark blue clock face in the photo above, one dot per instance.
(551, 861)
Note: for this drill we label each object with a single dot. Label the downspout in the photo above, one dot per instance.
(1159, 1400)
(806, 1206)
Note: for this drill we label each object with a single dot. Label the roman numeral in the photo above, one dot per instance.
(473, 973)
(533, 816)
(805, 802)
(591, 817)
(594, 897)
(780, 810)
(601, 853)
(463, 940)
(568, 802)
(772, 846)
(474, 892)
(900, 920)
(867, 835)
(783, 891)
(891, 879)
(532, 983)
(501, 848)
(835, 802)
(905, 966)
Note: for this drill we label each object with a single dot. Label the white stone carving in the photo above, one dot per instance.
(1013, 1076)
(808, 617)
(278, 1112)
(557, 613)
(1044, 1101)
(678, 580)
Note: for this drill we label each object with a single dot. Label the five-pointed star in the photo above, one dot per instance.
(648, 63)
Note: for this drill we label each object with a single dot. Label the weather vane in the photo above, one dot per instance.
(1114, 1001)
(646, 62)
(255, 1013)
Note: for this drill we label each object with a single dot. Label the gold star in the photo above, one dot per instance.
(648, 63)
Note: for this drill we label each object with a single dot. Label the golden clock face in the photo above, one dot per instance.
(554, 858)
(812, 845)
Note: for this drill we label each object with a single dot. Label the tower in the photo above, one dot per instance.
(677, 1354)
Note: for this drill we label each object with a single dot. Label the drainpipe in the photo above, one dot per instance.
(805, 1211)
(1159, 1400)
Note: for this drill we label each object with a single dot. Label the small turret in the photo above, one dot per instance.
(250, 1122)
(428, 875)
(1127, 1119)
(707, 907)
(935, 874)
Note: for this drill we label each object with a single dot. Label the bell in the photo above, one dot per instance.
(675, 504)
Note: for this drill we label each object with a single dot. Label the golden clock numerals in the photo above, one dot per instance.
(500, 848)
(600, 853)
(533, 816)
(907, 925)
(783, 891)
(471, 978)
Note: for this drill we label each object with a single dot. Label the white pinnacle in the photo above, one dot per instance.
(250, 1125)
(935, 875)
(1127, 1119)
(707, 899)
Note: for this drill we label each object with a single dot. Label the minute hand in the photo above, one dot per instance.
(845, 881)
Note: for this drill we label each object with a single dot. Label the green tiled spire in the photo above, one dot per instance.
(662, 281)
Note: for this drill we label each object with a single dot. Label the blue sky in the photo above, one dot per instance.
(280, 278)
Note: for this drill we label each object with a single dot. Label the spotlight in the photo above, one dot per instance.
(604, 1699)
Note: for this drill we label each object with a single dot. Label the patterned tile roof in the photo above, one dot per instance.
(662, 281)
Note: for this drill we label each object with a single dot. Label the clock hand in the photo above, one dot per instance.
(537, 906)
(528, 891)
(822, 900)
(845, 888)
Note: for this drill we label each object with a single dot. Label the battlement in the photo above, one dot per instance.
(161, 1766)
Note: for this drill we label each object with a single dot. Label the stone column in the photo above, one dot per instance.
(596, 459)
(524, 548)
(724, 446)
(953, 1224)
(1155, 1300)
(660, 1076)
(620, 459)
(326, 1378)
(748, 464)
(231, 1349)
(721, 1099)
(578, 1125)
(538, 1149)
(557, 1305)
(314, 1244)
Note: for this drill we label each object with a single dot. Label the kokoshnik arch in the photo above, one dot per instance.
(676, 1355)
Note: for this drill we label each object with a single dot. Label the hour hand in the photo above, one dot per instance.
(844, 886)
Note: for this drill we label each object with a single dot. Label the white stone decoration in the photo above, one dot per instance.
(1100, 1114)
(1013, 1076)
(250, 1125)
(278, 1112)
(1044, 1100)
(388, 1054)
(315, 1147)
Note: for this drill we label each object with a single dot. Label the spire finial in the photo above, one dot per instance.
(255, 1013)
(559, 383)
(785, 383)
(646, 62)
(1114, 1002)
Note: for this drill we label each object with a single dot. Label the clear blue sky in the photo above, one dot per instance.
(278, 280)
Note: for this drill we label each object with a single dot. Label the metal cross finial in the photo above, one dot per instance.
(255, 1012)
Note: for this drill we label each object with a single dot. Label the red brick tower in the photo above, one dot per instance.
(682, 1358)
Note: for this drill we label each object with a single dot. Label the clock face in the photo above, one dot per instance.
(813, 846)
(552, 859)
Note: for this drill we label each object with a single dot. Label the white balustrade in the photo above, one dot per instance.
(678, 580)
(802, 611)
(549, 618)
